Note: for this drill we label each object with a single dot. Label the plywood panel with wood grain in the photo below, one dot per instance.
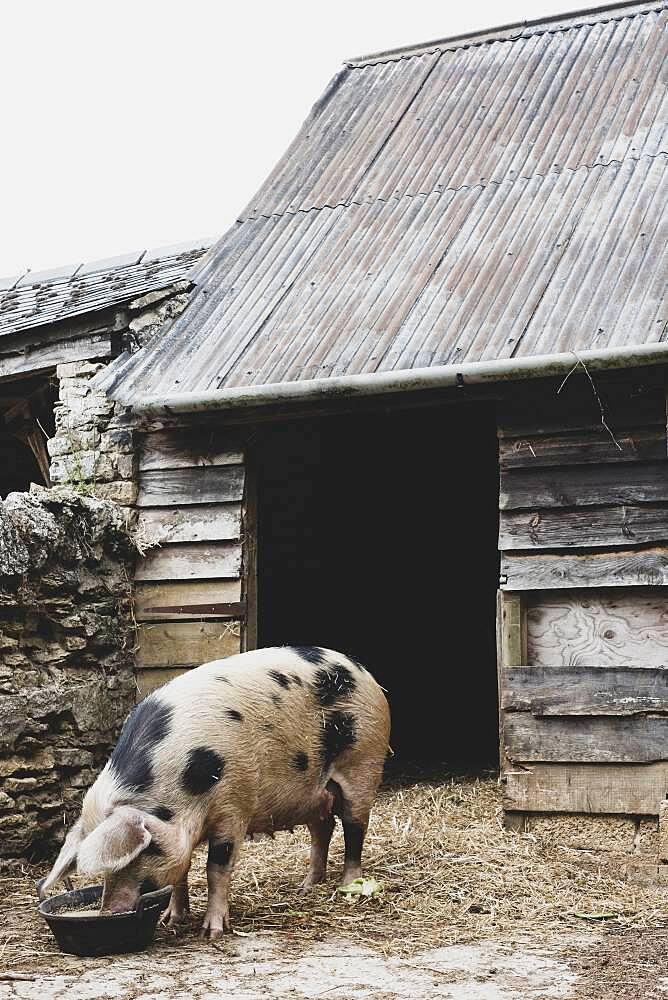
(615, 627)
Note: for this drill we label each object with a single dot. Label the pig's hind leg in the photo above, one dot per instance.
(223, 852)
(321, 831)
(358, 791)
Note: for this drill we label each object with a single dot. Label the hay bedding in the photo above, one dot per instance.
(450, 871)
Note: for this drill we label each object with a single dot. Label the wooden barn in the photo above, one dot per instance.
(416, 409)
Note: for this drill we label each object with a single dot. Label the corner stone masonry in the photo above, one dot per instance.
(66, 657)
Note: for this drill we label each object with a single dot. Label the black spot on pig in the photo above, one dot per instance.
(300, 762)
(312, 654)
(204, 769)
(162, 812)
(145, 728)
(276, 699)
(234, 715)
(296, 679)
(332, 684)
(280, 678)
(220, 852)
(148, 885)
(338, 734)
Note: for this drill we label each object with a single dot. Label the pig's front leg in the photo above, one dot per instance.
(178, 910)
(223, 852)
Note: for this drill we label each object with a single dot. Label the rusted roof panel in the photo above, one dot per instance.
(477, 200)
(38, 298)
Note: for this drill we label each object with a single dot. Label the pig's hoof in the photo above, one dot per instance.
(174, 918)
(215, 925)
(310, 881)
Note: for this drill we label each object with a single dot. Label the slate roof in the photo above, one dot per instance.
(493, 196)
(39, 298)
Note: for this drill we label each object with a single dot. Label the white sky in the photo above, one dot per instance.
(129, 124)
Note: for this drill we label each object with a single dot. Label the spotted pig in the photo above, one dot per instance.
(259, 742)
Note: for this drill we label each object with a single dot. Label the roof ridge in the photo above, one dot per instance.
(514, 30)
(68, 272)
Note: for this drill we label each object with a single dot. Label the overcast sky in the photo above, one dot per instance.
(129, 124)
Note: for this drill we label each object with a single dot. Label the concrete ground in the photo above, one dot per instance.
(595, 966)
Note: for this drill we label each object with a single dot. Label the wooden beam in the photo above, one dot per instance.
(173, 487)
(578, 486)
(585, 527)
(548, 571)
(632, 789)
(585, 740)
(546, 691)
(191, 561)
(45, 357)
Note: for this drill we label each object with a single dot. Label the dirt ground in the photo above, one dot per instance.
(468, 911)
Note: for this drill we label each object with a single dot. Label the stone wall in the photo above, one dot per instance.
(93, 449)
(66, 657)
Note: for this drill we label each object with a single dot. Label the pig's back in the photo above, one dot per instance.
(267, 728)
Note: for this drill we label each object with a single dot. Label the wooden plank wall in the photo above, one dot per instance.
(188, 590)
(583, 614)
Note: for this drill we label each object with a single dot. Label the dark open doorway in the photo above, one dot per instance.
(377, 536)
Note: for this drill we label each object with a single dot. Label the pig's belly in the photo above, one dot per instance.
(288, 808)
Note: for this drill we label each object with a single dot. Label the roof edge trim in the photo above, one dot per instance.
(511, 31)
(380, 383)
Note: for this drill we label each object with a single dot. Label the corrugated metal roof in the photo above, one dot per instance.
(38, 298)
(478, 200)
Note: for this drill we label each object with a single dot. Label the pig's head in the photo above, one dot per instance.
(133, 850)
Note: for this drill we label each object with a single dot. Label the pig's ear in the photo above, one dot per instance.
(114, 843)
(65, 860)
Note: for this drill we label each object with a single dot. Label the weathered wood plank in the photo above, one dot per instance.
(638, 444)
(148, 596)
(584, 527)
(622, 568)
(186, 449)
(578, 486)
(185, 644)
(191, 561)
(219, 522)
(634, 789)
(45, 357)
(578, 690)
(609, 628)
(512, 629)
(150, 680)
(208, 484)
(585, 740)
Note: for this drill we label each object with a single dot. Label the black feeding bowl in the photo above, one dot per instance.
(102, 934)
